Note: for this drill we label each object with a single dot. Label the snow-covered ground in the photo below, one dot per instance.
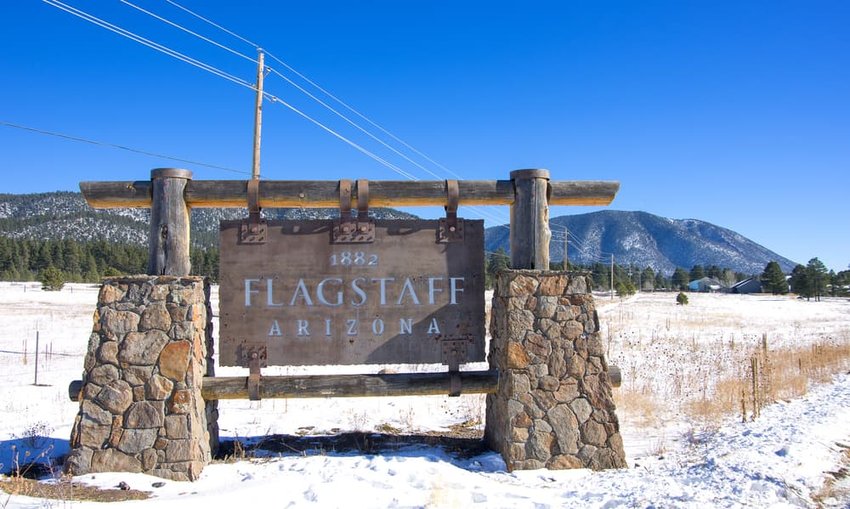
(779, 460)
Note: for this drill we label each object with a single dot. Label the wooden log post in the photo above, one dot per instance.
(169, 234)
(530, 233)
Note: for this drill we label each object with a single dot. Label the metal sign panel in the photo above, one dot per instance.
(301, 298)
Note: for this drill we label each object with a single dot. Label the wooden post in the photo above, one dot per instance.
(169, 235)
(530, 233)
(258, 116)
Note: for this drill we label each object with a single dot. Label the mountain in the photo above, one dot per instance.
(648, 240)
(63, 215)
(633, 237)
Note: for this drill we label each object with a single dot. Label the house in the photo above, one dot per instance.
(749, 285)
(706, 284)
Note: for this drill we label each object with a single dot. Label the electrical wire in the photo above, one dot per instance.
(122, 147)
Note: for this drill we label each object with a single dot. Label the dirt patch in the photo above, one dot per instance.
(66, 490)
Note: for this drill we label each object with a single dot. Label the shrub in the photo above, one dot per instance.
(52, 279)
(682, 299)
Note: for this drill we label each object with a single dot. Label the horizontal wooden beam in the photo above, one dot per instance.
(402, 384)
(325, 193)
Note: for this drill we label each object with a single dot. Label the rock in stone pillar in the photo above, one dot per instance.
(554, 407)
(141, 408)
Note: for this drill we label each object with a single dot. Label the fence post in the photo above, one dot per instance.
(530, 233)
(169, 234)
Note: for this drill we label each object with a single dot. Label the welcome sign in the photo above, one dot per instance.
(306, 300)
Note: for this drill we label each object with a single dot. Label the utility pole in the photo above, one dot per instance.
(258, 115)
(612, 276)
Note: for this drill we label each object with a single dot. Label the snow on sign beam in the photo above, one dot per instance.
(301, 298)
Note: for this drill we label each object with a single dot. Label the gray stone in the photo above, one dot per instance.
(547, 306)
(145, 414)
(95, 413)
(149, 458)
(581, 408)
(539, 446)
(142, 348)
(92, 434)
(541, 426)
(108, 353)
(593, 433)
(565, 426)
(155, 316)
(103, 374)
(137, 375)
(518, 383)
(112, 460)
(548, 383)
(119, 322)
(115, 396)
(176, 426)
(78, 461)
(564, 462)
(134, 441)
(178, 450)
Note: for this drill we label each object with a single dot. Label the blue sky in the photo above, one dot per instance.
(736, 113)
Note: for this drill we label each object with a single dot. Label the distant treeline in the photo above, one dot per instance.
(85, 262)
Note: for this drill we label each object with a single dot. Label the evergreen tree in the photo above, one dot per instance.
(818, 277)
(800, 282)
(647, 279)
(773, 279)
(661, 281)
(697, 272)
(680, 279)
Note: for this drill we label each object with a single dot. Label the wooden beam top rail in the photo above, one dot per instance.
(325, 193)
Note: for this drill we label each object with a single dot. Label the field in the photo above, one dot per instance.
(686, 408)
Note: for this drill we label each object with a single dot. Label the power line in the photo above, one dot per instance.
(201, 65)
(121, 147)
(330, 108)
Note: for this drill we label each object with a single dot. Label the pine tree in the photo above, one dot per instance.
(697, 272)
(818, 277)
(680, 279)
(800, 282)
(773, 279)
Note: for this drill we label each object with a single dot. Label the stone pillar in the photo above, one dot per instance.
(554, 406)
(141, 408)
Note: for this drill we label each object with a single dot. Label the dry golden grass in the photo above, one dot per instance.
(66, 490)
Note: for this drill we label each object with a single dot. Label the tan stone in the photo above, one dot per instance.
(139, 393)
(93, 412)
(178, 450)
(110, 294)
(572, 330)
(515, 356)
(159, 292)
(567, 391)
(159, 387)
(522, 285)
(181, 402)
(537, 345)
(116, 431)
(564, 462)
(539, 446)
(176, 426)
(174, 360)
(553, 285)
(522, 420)
(577, 285)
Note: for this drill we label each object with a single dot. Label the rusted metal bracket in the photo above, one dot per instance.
(254, 229)
(255, 357)
(451, 228)
(348, 230)
(454, 354)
